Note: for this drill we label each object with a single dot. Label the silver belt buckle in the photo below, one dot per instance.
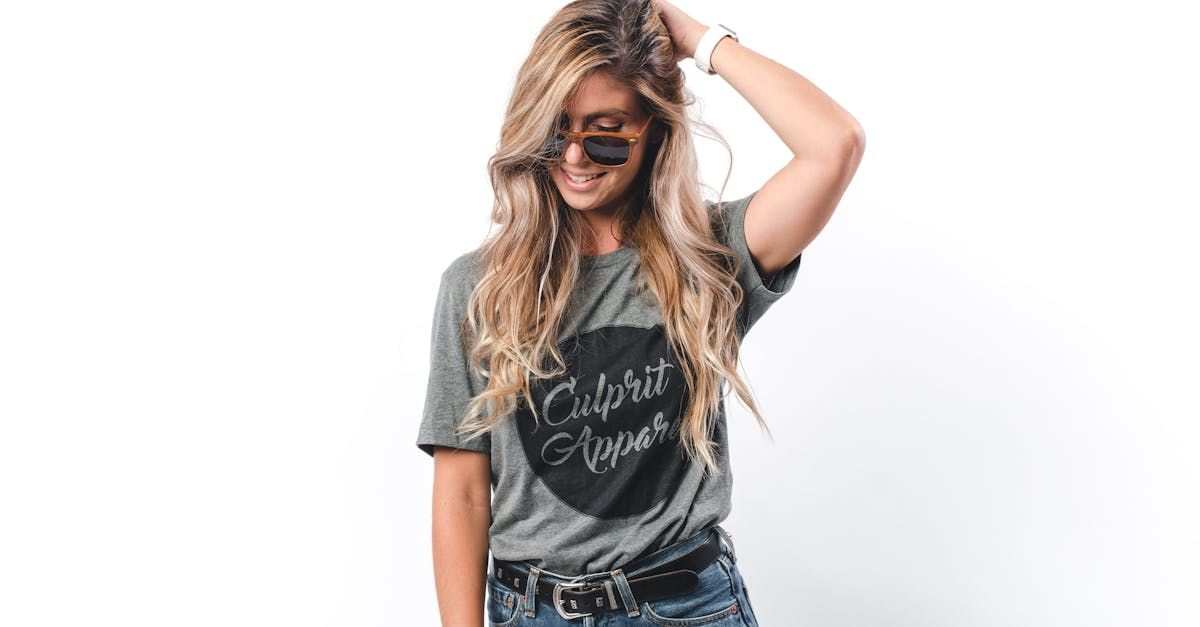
(558, 588)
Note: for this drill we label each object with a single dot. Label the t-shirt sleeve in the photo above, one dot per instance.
(451, 384)
(760, 291)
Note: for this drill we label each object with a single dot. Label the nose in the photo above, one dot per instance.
(573, 153)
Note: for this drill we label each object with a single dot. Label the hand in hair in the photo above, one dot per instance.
(685, 30)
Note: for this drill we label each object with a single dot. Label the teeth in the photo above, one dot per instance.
(581, 180)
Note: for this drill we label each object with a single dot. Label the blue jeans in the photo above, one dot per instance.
(719, 600)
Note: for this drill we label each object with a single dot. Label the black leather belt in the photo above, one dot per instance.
(575, 599)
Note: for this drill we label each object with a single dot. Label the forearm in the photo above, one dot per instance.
(460, 554)
(806, 119)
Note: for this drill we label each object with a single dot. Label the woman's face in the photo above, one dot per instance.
(602, 104)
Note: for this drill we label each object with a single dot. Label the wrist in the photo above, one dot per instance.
(707, 44)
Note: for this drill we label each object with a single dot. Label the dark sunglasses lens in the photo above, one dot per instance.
(607, 150)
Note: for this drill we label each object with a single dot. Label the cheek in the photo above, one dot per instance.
(636, 161)
(642, 158)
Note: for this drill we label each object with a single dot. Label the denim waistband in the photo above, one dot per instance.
(644, 563)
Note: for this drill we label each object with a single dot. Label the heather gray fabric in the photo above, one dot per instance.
(600, 480)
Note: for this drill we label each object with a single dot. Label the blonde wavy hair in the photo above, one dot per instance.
(529, 267)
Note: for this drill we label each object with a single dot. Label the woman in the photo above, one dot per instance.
(580, 354)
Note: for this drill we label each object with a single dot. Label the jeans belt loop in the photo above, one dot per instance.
(727, 539)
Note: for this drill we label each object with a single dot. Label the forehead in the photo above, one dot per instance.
(601, 94)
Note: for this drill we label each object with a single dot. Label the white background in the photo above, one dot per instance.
(223, 225)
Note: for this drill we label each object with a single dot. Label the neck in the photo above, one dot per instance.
(602, 227)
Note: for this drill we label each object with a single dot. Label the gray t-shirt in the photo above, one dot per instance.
(602, 479)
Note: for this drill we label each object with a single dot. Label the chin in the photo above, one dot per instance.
(580, 204)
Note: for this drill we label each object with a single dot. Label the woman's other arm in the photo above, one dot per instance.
(793, 206)
(462, 514)
(827, 143)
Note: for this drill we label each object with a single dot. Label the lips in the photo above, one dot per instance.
(586, 185)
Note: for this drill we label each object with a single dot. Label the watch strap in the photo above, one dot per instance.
(708, 42)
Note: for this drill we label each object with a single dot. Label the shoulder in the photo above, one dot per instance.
(728, 217)
(729, 208)
(459, 278)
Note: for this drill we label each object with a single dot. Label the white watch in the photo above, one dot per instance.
(708, 43)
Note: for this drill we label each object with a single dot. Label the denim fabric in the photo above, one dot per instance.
(720, 600)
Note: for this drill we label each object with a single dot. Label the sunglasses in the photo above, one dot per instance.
(606, 149)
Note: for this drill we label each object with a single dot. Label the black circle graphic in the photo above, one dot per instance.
(607, 437)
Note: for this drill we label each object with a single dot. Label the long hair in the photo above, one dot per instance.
(530, 266)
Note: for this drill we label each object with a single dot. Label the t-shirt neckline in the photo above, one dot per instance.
(607, 259)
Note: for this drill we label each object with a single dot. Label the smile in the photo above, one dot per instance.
(581, 183)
